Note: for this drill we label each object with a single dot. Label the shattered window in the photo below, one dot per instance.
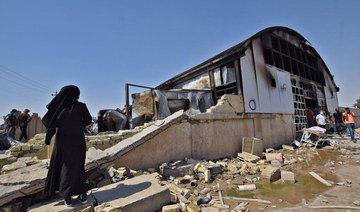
(285, 55)
(217, 77)
(228, 73)
(225, 79)
(225, 74)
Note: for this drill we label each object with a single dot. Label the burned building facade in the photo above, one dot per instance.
(275, 71)
(276, 75)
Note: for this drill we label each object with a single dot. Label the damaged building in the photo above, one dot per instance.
(259, 89)
(272, 77)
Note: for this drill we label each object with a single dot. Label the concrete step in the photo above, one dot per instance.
(142, 193)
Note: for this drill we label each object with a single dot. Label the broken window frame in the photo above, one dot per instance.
(284, 55)
(231, 87)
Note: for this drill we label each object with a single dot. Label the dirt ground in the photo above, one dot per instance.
(337, 165)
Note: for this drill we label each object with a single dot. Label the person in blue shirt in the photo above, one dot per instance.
(10, 120)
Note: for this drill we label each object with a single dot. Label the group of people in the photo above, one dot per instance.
(337, 121)
(13, 121)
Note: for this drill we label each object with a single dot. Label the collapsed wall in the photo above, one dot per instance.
(212, 135)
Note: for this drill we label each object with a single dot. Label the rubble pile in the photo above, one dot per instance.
(210, 186)
(36, 147)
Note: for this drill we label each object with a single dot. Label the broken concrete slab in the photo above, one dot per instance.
(287, 177)
(248, 157)
(6, 159)
(142, 193)
(171, 208)
(271, 173)
(12, 167)
(178, 170)
(276, 163)
(274, 156)
(288, 147)
(22, 182)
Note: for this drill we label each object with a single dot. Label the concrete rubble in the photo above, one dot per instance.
(183, 185)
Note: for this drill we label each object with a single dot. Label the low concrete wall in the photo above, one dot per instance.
(203, 136)
(174, 143)
(209, 136)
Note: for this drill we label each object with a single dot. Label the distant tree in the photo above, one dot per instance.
(357, 104)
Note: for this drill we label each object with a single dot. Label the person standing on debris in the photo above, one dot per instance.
(22, 122)
(68, 118)
(349, 120)
(321, 119)
(10, 120)
(338, 122)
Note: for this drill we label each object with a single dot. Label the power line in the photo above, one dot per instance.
(6, 70)
(10, 93)
(22, 85)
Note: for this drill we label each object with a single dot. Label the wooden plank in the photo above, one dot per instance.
(316, 176)
(248, 199)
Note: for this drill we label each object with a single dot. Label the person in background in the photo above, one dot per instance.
(316, 112)
(338, 122)
(321, 119)
(68, 118)
(10, 120)
(349, 120)
(22, 122)
(310, 117)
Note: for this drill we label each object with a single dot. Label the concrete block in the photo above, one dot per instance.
(276, 163)
(116, 137)
(215, 169)
(6, 159)
(37, 147)
(207, 176)
(186, 193)
(25, 148)
(288, 147)
(15, 149)
(171, 208)
(274, 156)
(182, 199)
(210, 209)
(173, 198)
(179, 171)
(174, 189)
(192, 208)
(233, 167)
(12, 167)
(29, 160)
(271, 173)
(253, 146)
(287, 177)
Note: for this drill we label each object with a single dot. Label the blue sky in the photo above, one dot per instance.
(101, 45)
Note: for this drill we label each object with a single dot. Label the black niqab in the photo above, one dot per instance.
(66, 98)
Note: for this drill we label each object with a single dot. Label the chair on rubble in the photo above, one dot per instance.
(314, 136)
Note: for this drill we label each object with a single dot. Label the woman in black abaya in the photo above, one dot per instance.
(67, 117)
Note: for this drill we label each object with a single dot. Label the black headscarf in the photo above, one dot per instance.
(66, 98)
